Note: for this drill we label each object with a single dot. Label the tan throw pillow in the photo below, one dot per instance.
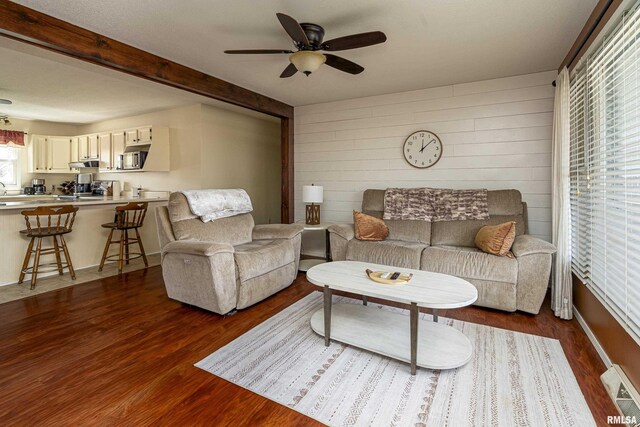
(369, 227)
(496, 239)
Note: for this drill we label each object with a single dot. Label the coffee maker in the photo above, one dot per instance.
(38, 186)
(83, 184)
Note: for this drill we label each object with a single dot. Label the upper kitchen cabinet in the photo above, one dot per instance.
(59, 152)
(111, 147)
(88, 147)
(117, 146)
(50, 154)
(139, 136)
(106, 155)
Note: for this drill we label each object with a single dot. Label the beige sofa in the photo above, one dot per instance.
(227, 263)
(510, 284)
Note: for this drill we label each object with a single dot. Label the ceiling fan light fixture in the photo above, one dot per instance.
(307, 61)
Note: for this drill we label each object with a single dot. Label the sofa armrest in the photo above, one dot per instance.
(195, 247)
(276, 231)
(346, 231)
(528, 245)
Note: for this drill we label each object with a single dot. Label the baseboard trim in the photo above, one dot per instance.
(603, 355)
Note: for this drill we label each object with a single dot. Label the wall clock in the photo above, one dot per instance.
(422, 149)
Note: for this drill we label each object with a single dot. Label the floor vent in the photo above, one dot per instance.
(624, 395)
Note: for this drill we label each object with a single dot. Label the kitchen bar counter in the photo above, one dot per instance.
(86, 241)
(27, 202)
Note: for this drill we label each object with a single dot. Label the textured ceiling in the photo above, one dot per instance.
(47, 86)
(430, 42)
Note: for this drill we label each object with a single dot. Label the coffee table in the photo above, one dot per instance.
(426, 344)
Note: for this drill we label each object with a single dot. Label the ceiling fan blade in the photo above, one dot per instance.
(294, 29)
(289, 71)
(258, 51)
(343, 64)
(355, 41)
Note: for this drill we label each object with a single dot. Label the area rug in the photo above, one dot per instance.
(513, 379)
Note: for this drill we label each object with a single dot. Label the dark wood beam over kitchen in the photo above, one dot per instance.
(24, 24)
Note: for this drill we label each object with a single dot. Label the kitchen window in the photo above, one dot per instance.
(10, 166)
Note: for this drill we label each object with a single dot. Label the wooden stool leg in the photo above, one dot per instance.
(126, 245)
(120, 256)
(144, 255)
(36, 261)
(67, 257)
(57, 250)
(106, 251)
(27, 257)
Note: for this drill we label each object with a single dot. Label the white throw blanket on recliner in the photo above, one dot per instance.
(219, 203)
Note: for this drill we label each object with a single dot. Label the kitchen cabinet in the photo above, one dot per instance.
(58, 153)
(140, 136)
(75, 154)
(88, 147)
(53, 153)
(104, 145)
(50, 154)
(38, 159)
(117, 146)
(111, 146)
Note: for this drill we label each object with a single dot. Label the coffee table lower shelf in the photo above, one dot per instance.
(388, 333)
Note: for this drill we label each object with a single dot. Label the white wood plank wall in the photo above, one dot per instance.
(496, 134)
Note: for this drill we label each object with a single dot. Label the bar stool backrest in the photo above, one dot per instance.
(131, 215)
(50, 219)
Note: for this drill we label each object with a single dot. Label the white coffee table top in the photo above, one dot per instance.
(427, 289)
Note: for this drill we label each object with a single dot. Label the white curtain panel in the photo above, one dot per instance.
(561, 295)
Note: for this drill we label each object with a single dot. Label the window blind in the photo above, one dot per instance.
(605, 171)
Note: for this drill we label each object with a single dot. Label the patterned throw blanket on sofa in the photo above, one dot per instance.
(435, 204)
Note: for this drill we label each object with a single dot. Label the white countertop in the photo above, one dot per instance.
(22, 202)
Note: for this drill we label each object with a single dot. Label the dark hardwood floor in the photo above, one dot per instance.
(117, 351)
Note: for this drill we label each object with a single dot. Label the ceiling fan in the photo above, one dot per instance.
(307, 39)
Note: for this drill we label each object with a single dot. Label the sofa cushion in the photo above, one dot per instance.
(395, 253)
(469, 263)
(262, 256)
(368, 227)
(463, 233)
(409, 230)
(233, 230)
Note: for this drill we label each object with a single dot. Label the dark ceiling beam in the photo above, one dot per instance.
(28, 25)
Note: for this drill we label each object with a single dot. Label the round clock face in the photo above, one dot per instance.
(422, 149)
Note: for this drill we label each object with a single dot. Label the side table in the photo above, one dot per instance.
(306, 264)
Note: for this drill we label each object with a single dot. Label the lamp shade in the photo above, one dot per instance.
(312, 193)
(307, 61)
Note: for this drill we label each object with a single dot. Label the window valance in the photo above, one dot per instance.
(12, 137)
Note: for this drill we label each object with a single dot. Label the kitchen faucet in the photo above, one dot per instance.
(4, 189)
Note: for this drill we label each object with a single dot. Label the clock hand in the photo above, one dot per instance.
(423, 147)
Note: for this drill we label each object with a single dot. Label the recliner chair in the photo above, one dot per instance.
(226, 264)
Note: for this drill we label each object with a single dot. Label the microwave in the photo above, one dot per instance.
(132, 161)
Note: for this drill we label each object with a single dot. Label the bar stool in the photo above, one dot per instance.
(47, 221)
(128, 217)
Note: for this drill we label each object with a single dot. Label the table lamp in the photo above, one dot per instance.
(312, 194)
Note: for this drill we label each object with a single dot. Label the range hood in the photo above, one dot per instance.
(85, 164)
